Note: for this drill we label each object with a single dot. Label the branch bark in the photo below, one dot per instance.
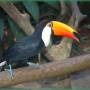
(22, 20)
(53, 69)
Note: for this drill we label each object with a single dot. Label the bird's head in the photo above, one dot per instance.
(57, 29)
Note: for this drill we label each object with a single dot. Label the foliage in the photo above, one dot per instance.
(19, 34)
(33, 9)
(1, 27)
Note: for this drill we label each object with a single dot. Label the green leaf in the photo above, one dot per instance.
(17, 32)
(1, 27)
(53, 4)
(33, 9)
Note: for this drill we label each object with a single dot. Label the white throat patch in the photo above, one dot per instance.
(46, 35)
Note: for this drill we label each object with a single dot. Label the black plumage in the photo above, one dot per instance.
(27, 47)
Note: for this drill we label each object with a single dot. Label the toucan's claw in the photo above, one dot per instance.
(10, 71)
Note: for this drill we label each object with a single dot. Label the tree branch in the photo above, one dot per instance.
(78, 16)
(63, 8)
(53, 69)
(22, 20)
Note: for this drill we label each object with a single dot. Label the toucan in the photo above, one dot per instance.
(34, 44)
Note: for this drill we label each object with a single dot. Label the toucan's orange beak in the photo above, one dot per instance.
(61, 29)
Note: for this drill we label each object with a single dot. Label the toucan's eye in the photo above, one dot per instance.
(50, 25)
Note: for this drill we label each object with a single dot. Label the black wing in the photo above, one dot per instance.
(28, 47)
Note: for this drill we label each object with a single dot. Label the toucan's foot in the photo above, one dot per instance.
(33, 65)
(10, 71)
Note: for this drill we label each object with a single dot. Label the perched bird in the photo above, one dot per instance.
(34, 44)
